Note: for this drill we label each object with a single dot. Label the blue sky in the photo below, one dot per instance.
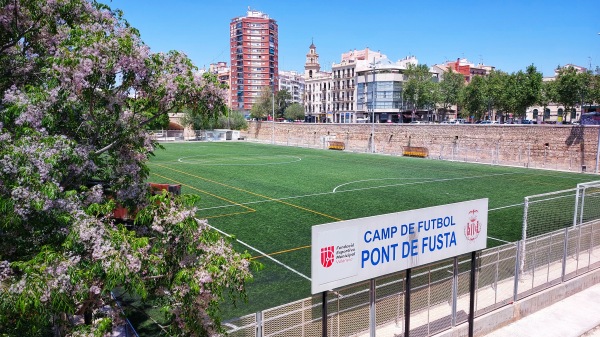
(508, 34)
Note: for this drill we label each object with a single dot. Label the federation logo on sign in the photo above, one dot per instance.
(473, 227)
(327, 256)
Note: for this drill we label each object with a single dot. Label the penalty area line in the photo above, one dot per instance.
(492, 238)
(261, 253)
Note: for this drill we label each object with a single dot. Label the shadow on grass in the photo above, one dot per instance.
(144, 316)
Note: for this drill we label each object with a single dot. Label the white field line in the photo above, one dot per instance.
(182, 160)
(416, 182)
(261, 253)
(503, 207)
(379, 179)
(504, 241)
(351, 190)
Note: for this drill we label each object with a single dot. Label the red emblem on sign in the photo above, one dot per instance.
(473, 227)
(327, 256)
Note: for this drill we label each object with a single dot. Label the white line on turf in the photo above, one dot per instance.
(503, 207)
(345, 191)
(428, 181)
(489, 237)
(360, 181)
(261, 253)
(207, 162)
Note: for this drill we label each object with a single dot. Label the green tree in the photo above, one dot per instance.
(78, 88)
(594, 92)
(586, 80)
(282, 101)
(234, 120)
(496, 94)
(204, 112)
(264, 105)
(521, 90)
(547, 96)
(450, 88)
(419, 88)
(475, 98)
(294, 112)
(570, 88)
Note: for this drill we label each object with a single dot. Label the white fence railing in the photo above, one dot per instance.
(440, 291)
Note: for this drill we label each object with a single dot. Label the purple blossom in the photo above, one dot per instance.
(5, 270)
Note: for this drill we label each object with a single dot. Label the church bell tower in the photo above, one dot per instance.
(311, 67)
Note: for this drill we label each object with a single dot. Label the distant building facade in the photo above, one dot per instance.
(463, 67)
(254, 58)
(468, 70)
(293, 82)
(379, 87)
(345, 93)
(223, 73)
(317, 93)
(555, 113)
(365, 86)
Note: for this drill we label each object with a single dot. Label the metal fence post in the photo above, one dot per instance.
(565, 253)
(522, 246)
(576, 206)
(372, 321)
(259, 324)
(454, 290)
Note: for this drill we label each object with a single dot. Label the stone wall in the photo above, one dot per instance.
(569, 147)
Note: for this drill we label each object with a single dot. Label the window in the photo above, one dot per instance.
(547, 113)
(535, 113)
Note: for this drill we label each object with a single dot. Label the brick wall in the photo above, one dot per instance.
(553, 146)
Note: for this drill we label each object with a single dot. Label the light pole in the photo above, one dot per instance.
(372, 66)
(273, 118)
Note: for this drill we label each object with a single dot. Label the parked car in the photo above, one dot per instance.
(458, 121)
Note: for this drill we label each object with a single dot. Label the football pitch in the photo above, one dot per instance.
(268, 198)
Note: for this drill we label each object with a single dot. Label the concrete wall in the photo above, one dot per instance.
(562, 144)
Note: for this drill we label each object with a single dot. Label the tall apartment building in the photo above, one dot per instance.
(293, 82)
(254, 58)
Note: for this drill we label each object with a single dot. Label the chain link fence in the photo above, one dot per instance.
(554, 249)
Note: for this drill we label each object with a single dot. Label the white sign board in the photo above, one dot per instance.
(351, 251)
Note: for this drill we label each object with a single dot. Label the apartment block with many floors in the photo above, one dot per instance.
(254, 58)
(293, 82)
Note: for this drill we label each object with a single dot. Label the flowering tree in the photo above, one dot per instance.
(78, 89)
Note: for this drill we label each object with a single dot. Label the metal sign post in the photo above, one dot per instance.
(324, 318)
(472, 293)
(407, 304)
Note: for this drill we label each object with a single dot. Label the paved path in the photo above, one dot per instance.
(575, 316)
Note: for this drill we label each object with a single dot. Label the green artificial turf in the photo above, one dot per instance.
(269, 197)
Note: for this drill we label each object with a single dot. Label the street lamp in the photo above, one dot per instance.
(273, 118)
(372, 67)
